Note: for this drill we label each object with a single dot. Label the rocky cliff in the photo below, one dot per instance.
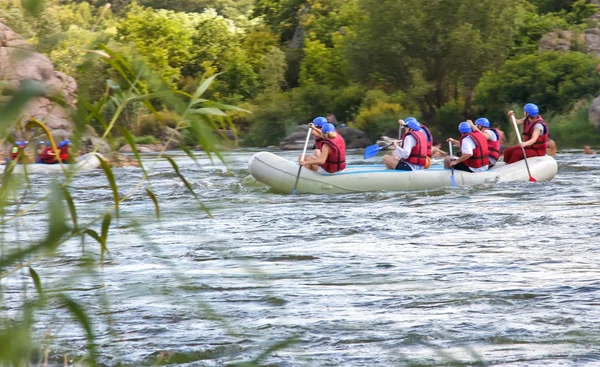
(18, 62)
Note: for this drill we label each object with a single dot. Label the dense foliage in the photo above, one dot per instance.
(367, 61)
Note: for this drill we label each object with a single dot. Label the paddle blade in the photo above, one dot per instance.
(531, 179)
(371, 151)
(452, 181)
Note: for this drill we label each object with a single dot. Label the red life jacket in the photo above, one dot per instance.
(480, 153)
(429, 139)
(494, 146)
(336, 159)
(319, 143)
(542, 141)
(418, 154)
(46, 157)
(20, 151)
(64, 153)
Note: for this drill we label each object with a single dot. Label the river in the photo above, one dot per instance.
(508, 275)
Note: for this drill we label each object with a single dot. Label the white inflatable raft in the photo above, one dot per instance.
(86, 162)
(280, 174)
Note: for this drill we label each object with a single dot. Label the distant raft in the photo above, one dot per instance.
(86, 162)
(280, 174)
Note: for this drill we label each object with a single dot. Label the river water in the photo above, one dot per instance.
(507, 275)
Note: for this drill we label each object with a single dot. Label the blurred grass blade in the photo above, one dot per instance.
(36, 280)
(202, 88)
(104, 235)
(156, 207)
(10, 111)
(130, 140)
(187, 184)
(209, 111)
(94, 235)
(188, 152)
(226, 107)
(272, 349)
(71, 205)
(79, 314)
(113, 185)
(57, 229)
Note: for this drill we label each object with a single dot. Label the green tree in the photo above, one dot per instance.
(416, 46)
(552, 80)
(163, 38)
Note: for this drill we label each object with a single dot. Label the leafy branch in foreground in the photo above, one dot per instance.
(20, 339)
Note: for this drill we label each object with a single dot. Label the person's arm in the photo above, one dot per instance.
(519, 121)
(319, 161)
(534, 137)
(466, 148)
(473, 126)
(454, 141)
(403, 151)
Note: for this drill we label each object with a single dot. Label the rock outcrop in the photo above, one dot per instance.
(20, 62)
(558, 41)
(594, 113)
(295, 141)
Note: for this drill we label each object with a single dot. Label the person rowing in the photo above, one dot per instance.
(316, 127)
(332, 158)
(474, 150)
(535, 135)
(492, 135)
(19, 153)
(411, 154)
(48, 156)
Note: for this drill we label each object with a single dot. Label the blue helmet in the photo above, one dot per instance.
(531, 109)
(409, 119)
(413, 124)
(482, 122)
(328, 128)
(64, 143)
(464, 127)
(319, 122)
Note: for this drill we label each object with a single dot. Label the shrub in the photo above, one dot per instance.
(377, 114)
(150, 124)
(272, 120)
(148, 139)
(573, 129)
(551, 80)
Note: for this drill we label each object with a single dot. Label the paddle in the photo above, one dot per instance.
(372, 150)
(303, 154)
(514, 121)
(452, 180)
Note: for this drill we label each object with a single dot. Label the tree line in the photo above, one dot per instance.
(369, 62)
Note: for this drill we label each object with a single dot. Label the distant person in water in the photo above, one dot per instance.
(436, 151)
(551, 150)
(588, 150)
(474, 150)
(502, 136)
(333, 153)
(535, 135)
(331, 119)
(411, 154)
